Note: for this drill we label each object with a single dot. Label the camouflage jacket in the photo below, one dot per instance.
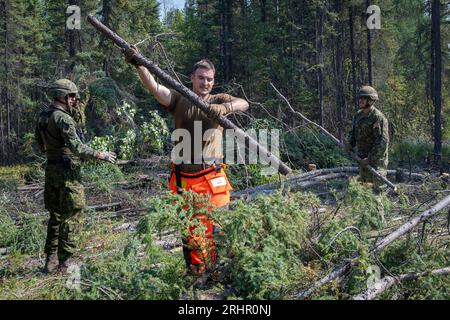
(56, 135)
(370, 136)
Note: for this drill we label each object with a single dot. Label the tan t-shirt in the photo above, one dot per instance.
(205, 148)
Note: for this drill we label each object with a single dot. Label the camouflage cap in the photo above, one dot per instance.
(62, 87)
(368, 91)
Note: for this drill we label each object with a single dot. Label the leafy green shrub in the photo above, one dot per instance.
(35, 173)
(30, 235)
(12, 176)
(104, 143)
(101, 174)
(307, 146)
(247, 176)
(8, 228)
(263, 241)
(22, 232)
(416, 150)
(154, 133)
(343, 236)
(134, 136)
(127, 275)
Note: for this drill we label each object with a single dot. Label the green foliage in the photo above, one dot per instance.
(366, 208)
(263, 242)
(134, 136)
(346, 235)
(128, 276)
(416, 150)
(8, 228)
(247, 176)
(21, 232)
(101, 174)
(12, 176)
(35, 173)
(31, 238)
(307, 146)
(154, 134)
(105, 143)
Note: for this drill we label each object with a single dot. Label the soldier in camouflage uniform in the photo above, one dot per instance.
(370, 136)
(64, 194)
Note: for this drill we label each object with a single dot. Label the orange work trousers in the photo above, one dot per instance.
(200, 251)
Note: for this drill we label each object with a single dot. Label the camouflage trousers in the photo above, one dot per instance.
(64, 199)
(366, 176)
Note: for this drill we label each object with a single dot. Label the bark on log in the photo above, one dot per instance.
(94, 207)
(343, 268)
(294, 185)
(139, 179)
(298, 179)
(387, 282)
(192, 97)
(340, 145)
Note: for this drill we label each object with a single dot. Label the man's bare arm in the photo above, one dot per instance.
(236, 104)
(160, 92)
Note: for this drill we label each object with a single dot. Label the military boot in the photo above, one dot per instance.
(51, 263)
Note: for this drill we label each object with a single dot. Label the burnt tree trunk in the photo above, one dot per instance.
(339, 70)
(437, 75)
(320, 53)
(351, 22)
(225, 14)
(369, 51)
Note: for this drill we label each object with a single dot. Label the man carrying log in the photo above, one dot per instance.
(370, 136)
(199, 169)
(64, 197)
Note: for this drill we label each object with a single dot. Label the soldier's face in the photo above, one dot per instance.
(202, 81)
(363, 102)
(71, 100)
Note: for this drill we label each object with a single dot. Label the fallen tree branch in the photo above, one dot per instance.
(123, 212)
(139, 179)
(294, 185)
(155, 161)
(387, 282)
(297, 180)
(97, 207)
(341, 269)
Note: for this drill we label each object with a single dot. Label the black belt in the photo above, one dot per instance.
(60, 161)
(67, 163)
(179, 168)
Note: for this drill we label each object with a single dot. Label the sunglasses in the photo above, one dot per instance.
(72, 95)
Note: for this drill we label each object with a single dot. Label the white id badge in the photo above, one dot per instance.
(218, 182)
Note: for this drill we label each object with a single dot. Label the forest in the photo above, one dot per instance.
(317, 233)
